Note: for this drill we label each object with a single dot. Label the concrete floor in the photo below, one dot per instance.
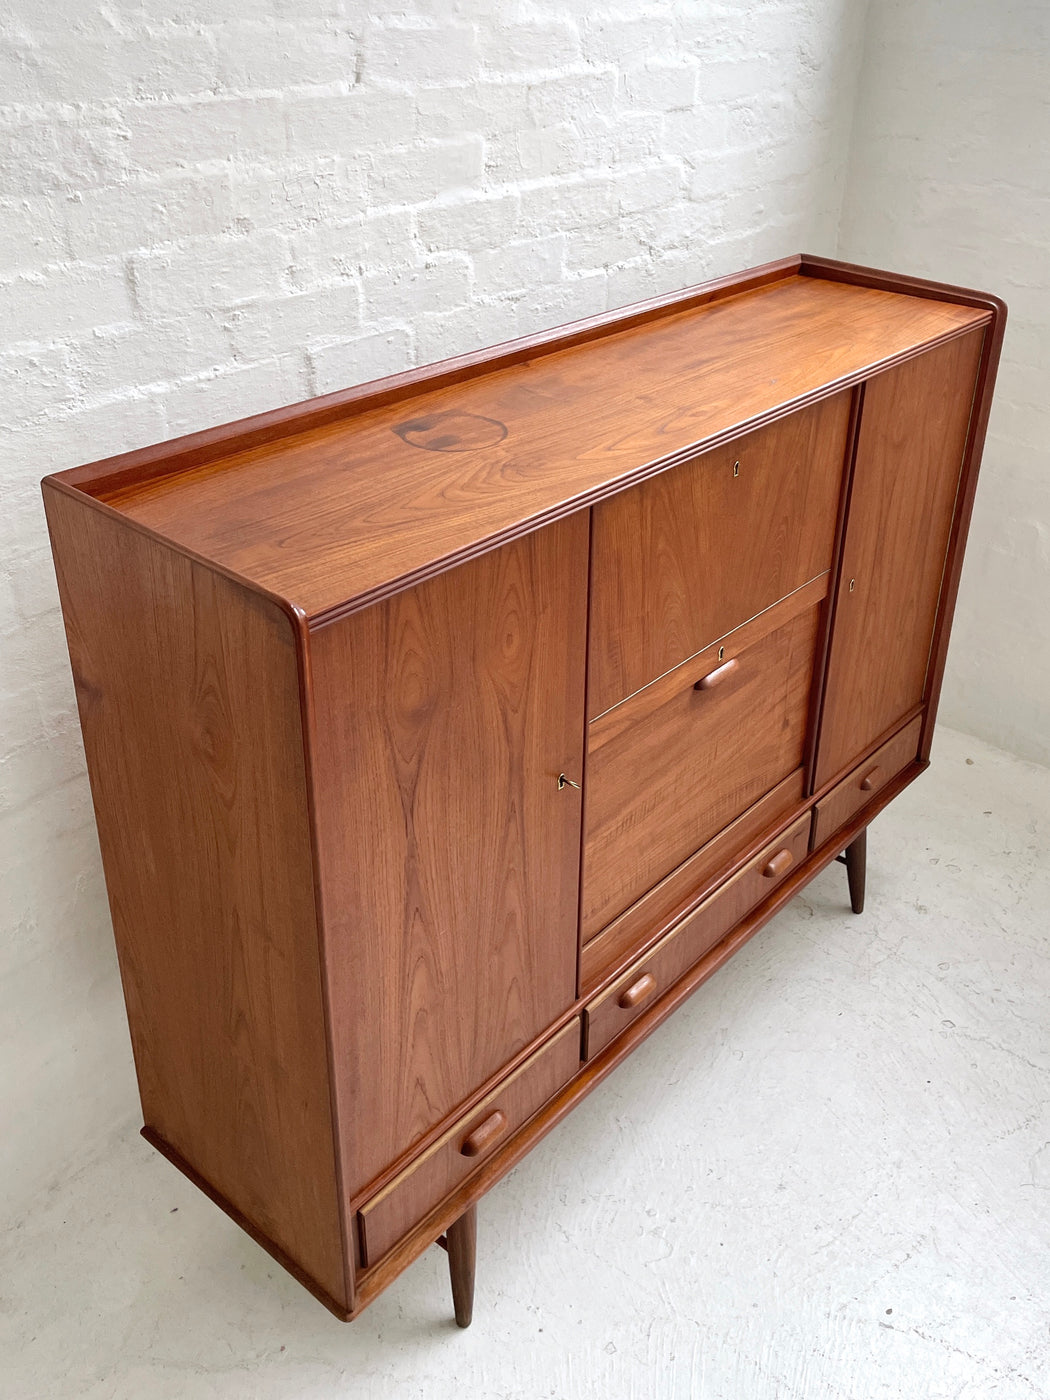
(827, 1176)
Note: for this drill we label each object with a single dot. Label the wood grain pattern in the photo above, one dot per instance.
(686, 557)
(449, 858)
(198, 782)
(669, 900)
(661, 786)
(410, 1196)
(344, 513)
(855, 791)
(909, 456)
(609, 1015)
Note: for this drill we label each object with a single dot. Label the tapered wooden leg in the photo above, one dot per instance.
(856, 869)
(461, 1243)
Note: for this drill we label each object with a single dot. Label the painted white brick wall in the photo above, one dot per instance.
(213, 207)
(950, 178)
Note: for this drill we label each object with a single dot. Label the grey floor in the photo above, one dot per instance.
(827, 1176)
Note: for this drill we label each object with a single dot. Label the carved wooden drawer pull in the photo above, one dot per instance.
(485, 1134)
(637, 992)
(778, 865)
(870, 780)
(717, 676)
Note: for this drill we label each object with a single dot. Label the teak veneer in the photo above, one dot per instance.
(446, 733)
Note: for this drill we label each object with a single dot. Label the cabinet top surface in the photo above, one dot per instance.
(336, 515)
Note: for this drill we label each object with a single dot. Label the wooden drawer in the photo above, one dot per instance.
(672, 766)
(651, 976)
(854, 792)
(471, 1141)
(684, 558)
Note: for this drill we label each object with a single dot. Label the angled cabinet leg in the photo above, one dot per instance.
(461, 1243)
(856, 861)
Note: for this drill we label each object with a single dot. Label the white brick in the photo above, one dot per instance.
(695, 136)
(106, 221)
(621, 40)
(353, 124)
(658, 188)
(535, 153)
(584, 95)
(32, 233)
(341, 364)
(601, 248)
(64, 299)
(59, 151)
(402, 293)
(529, 48)
(413, 175)
(35, 379)
(481, 108)
(470, 222)
(632, 140)
(662, 87)
(312, 190)
(289, 322)
(107, 66)
(329, 250)
(575, 297)
(535, 262)
(117, 358)
(163, 134)
(206, 275)
(262, 55)
(430, 56)
(572, 203)
(441, 334)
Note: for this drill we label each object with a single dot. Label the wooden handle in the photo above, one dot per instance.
(637, 992)
(485, 1134)
(717, 676)
(870, 779)
(778, 864)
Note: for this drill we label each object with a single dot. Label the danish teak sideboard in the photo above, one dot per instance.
(446, 733)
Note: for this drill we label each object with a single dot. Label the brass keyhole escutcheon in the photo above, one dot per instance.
(736, 468)
(721, 653)
(852, 584)
(564, 782)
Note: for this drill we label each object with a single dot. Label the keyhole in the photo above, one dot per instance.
(721, 653)
(736, 468)
(852, 584)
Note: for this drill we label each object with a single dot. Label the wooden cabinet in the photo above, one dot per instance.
(445, 733)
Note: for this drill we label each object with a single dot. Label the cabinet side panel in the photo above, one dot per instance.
(188, 693)
(449, 857)
(912, 434)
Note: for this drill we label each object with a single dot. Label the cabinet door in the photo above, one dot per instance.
(449, 857)
(913, 429)
(681, 560)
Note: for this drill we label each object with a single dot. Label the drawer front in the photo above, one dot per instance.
(663, 905)
(667, 770)
(846, 800)
(687, 556)
(643, 984)
(427, 1181)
